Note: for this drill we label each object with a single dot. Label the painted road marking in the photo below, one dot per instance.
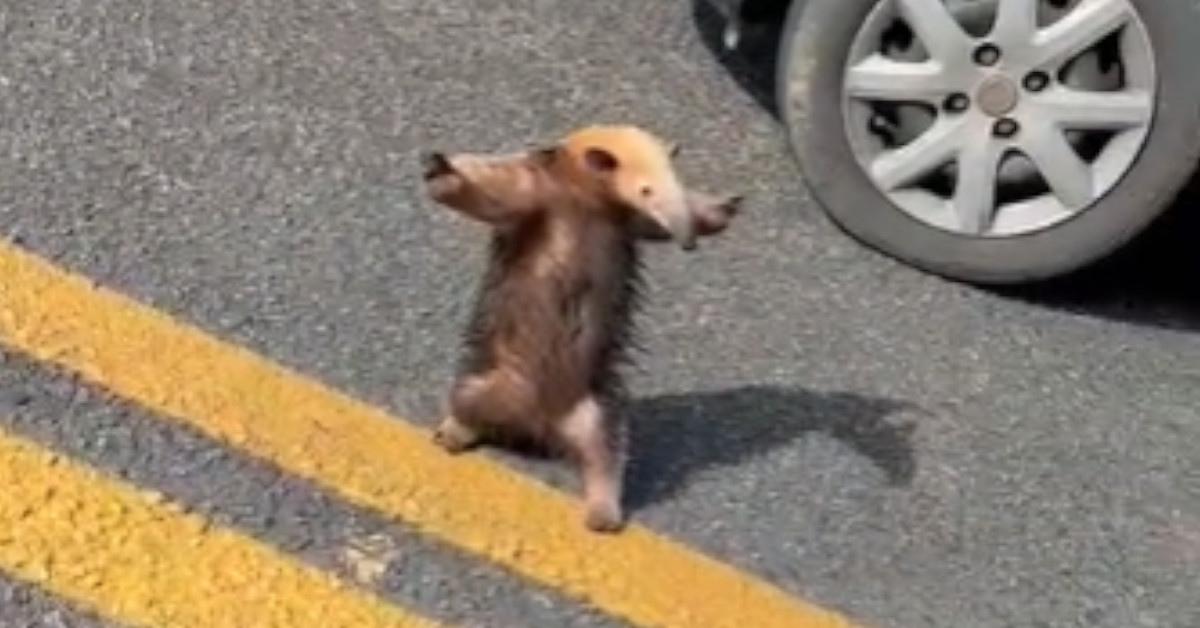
(373, 459)
(140, 561)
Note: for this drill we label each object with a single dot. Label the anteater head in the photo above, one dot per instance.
(622, 171)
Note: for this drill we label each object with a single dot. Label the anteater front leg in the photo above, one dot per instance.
(596, 440)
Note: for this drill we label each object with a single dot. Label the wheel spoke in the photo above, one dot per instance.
(936, 27)
(880, 78)
(1016, 23)
(1067, 174)
(975, 193)
(1083, 110)
(933, 148)
(1083, 27)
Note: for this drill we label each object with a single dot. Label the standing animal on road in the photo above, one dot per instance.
(553, 318)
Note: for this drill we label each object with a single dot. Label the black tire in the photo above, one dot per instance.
(814, 47)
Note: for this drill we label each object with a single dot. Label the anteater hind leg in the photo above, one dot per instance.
(596, 439)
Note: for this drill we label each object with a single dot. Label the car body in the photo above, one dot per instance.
(1014, 142)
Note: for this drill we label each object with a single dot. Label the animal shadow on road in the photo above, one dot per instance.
(675, 436)
(1154, 281)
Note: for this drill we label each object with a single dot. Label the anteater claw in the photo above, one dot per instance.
(454, 437)
(603, 519)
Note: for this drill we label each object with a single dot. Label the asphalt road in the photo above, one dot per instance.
(908, 451)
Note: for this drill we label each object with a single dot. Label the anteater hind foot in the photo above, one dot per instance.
(458, 431)
(454, 437)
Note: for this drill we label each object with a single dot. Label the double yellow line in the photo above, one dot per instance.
(140, 561)
(356, 451)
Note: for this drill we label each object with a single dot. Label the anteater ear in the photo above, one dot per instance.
(600, 160)
(673, 150)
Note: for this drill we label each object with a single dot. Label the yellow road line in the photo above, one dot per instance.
(374, 459)
(139, 561)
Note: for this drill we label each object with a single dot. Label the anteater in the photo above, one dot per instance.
(553, 320)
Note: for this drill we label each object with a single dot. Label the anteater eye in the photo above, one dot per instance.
(646, 191)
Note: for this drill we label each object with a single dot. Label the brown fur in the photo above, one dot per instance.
(554, 315)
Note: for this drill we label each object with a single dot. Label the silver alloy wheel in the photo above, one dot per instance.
(998, 118)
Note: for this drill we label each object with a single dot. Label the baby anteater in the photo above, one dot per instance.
(553, 318)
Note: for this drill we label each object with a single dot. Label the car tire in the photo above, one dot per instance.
(816, 44)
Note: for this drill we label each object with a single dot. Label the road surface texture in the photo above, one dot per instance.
(903, 451)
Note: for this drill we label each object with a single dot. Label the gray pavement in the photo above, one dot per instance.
(23, 605)
(909, 451)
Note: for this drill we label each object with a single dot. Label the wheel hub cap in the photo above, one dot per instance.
(997, 95)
